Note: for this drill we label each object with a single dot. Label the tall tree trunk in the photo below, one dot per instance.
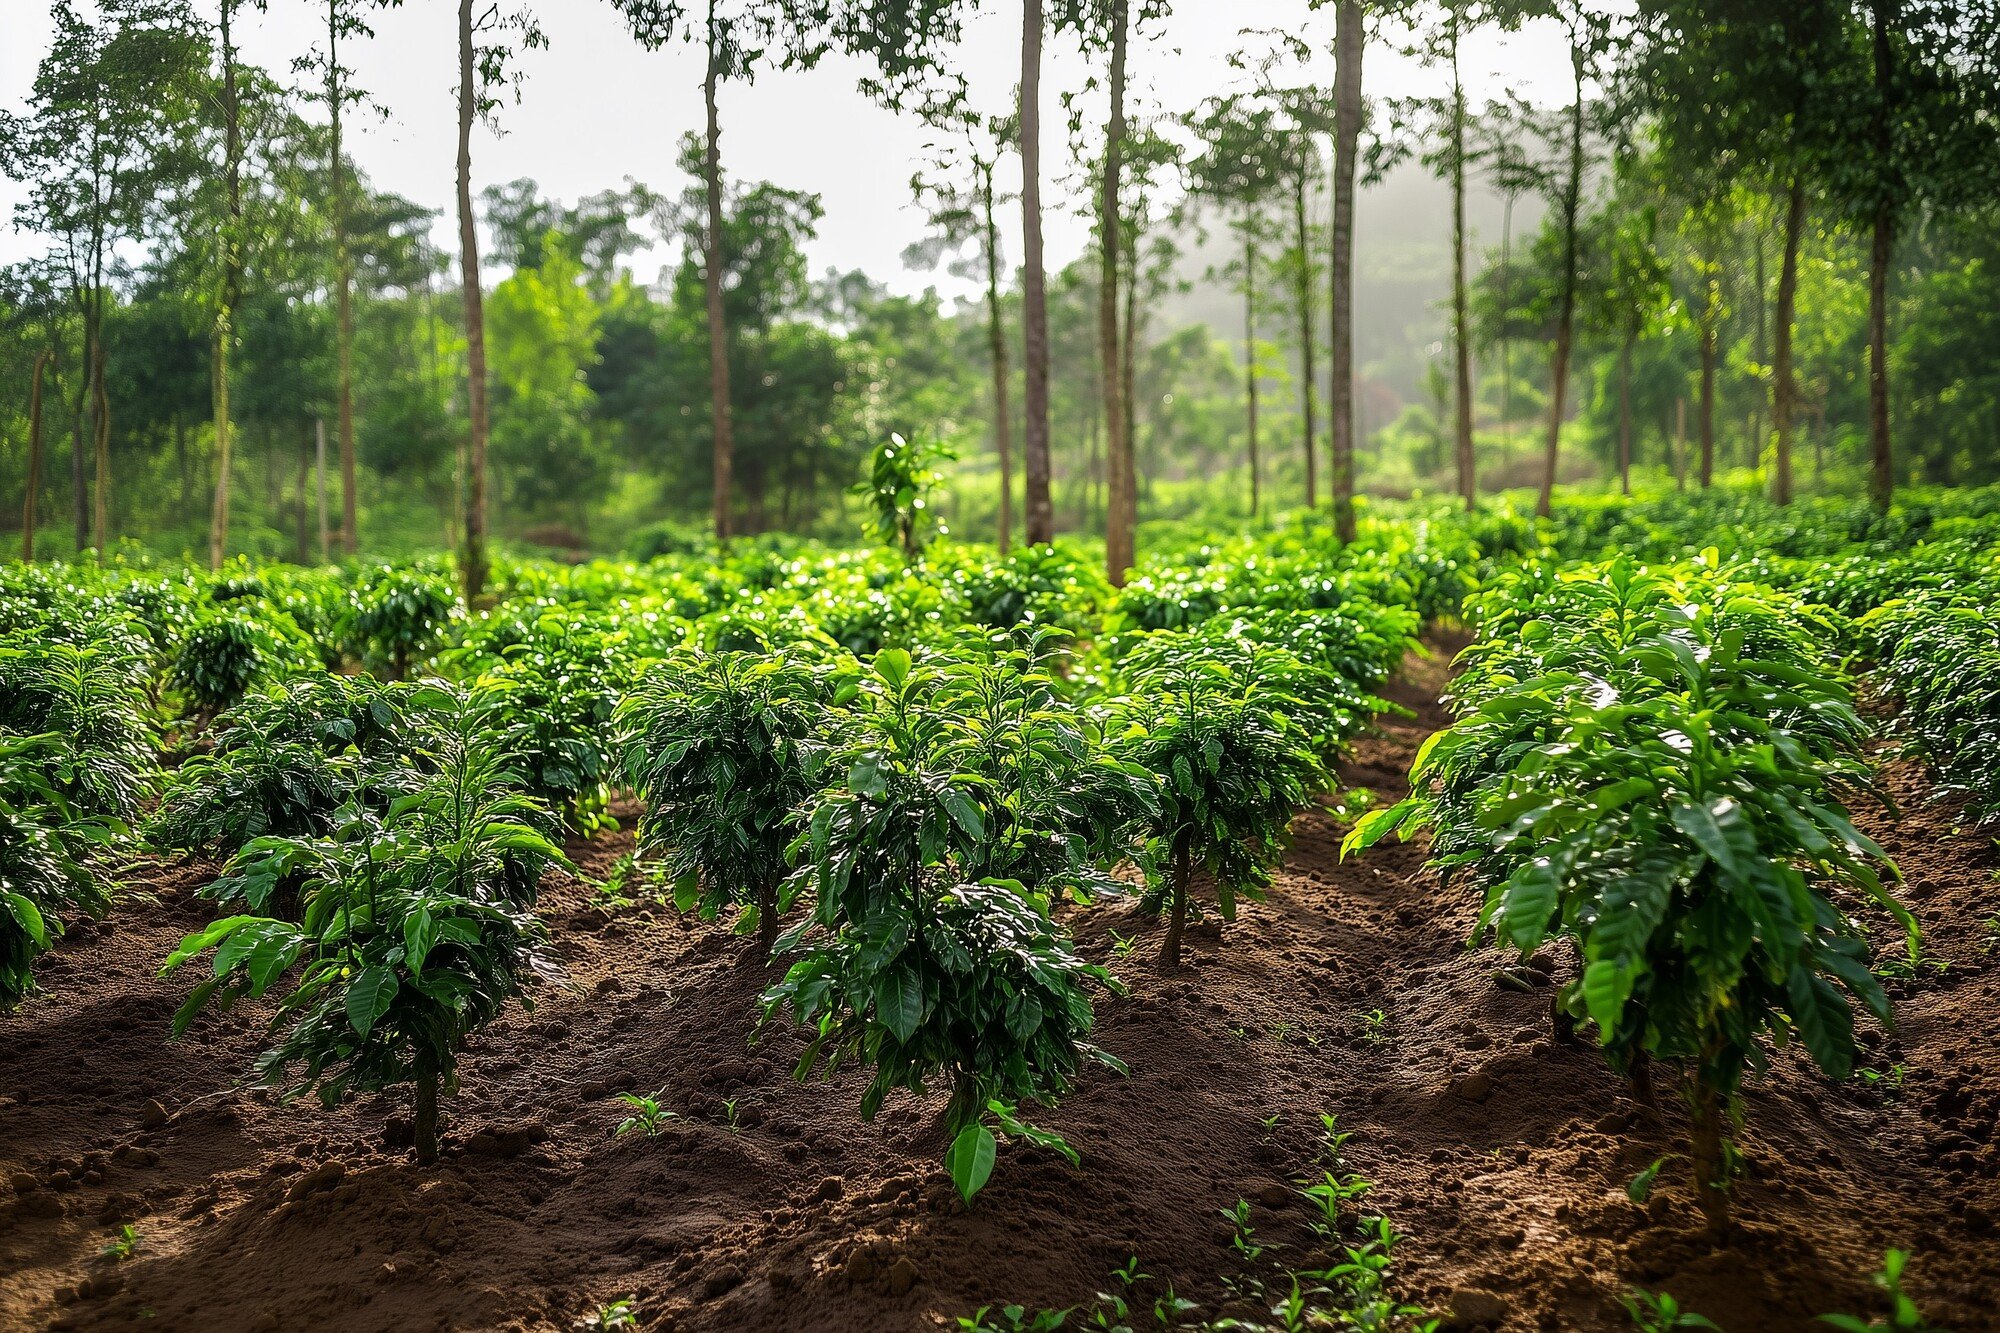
(1308, 380)
(1340, 272)
(100, 494)
(1710, 315)
(1761, 350)
(475, 317)
(1566, 317)
(1468, 486)
(1784, 391)
(1881, 247)
(996, 334)
(319, 481)
(1121, 508)
(1250, 356)
(1506, 319)
(232, 270)
(1034, 293)
(720, 415)
(28, 505)
(344, 298)
(84, 417)
(1625, 409)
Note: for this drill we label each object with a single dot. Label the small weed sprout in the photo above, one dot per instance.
(126, 1244)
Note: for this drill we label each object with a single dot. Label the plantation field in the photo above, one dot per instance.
(1127, 968)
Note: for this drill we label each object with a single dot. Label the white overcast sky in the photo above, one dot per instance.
(596, 108)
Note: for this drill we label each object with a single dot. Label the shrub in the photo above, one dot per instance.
(723, 748)
(1216, 730)
(400, 616)
(1625, 772)
(414, 932)
(912, 969)
(45, 873)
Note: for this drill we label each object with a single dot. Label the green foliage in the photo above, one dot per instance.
(1661, 1313)
(47, 878)
(724, 747)
(86, 702)
(415, 929)
(912, 969)
(399, 617)
(1943, 669)
(1215, 729)
(901, 478)
(1904, 1316)
(1651, 762)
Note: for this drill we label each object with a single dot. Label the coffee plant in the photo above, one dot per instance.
(1626, 773)
(1216, 731)
(415, 931)
(724, 748)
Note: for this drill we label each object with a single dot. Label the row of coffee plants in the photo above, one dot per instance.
(1652, 763)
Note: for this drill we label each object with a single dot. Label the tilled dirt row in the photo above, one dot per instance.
(1500, 1153)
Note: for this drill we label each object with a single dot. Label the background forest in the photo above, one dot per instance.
(234, 342)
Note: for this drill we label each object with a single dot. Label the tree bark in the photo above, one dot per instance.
(232, 268)
(720, 415)
(319, 480)
(426, 1123)
(343, 299)
(28, 505)
(1566, 318)
(1711, 1185)
(1881, 247)
(1034, 292)
(1340, 276)
(100, 495)
(1706, 425)
(1784, 391)
(1308, 388)
(475, 318)
(1468, 485)
(1625, 410)
(996, 334)
(1177, 873)
(1121, 507)
(1250, 355)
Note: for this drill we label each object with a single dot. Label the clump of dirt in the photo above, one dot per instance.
(1500, 1152)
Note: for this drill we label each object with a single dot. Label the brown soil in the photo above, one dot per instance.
(1500, 1153)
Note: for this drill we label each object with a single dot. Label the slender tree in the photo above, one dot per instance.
(1121, 505)
(1040, 513)
(1237, 170)
(345, 22)
(1579, 26)
(1348, 42)
(483, 68)
(962, 203)
(102, 140)
(229, 280)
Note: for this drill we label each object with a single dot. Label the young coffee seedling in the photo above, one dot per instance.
(911, 968)
(1661, 1313)
(125, 1245)
(1903, 1317)
(611, 1317)
(648, 1116)
(1650, 762)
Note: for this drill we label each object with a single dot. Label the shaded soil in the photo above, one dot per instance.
(1500, 1153)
